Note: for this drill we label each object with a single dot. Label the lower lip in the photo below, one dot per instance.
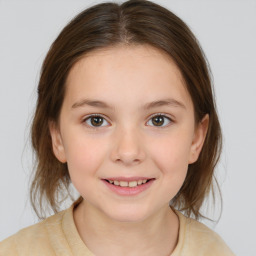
(127, 191)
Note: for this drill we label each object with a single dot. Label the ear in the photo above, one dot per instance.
(199, 138)
(57, 143)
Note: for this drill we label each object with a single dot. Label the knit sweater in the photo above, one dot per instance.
(57, 235)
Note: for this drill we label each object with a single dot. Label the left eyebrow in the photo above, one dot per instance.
(154, 104)
(164, 102)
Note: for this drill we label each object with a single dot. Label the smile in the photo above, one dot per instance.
(130, 184)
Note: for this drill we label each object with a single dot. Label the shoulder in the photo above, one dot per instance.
(33, 240)
(195, 238)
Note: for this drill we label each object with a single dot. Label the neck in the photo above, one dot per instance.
(156, 235)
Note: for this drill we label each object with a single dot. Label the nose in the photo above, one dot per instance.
(128, 147)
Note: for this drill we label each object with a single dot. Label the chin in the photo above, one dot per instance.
(130, 215)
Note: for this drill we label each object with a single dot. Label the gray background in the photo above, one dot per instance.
(227, 32)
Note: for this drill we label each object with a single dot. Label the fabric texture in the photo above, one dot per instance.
(57, 235)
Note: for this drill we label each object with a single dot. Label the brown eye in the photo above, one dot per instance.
(160, 120)
(95, 121)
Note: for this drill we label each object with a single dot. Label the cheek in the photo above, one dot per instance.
(171, 156)
(84, 156)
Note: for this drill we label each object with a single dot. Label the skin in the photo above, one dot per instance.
(127, 144)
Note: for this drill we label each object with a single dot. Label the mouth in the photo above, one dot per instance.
(128, 186)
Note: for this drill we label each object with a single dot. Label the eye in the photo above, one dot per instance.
(160, 120)
(94, 121)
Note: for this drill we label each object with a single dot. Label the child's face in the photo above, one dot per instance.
(127, 142)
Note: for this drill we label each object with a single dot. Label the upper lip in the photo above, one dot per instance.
(128, 178)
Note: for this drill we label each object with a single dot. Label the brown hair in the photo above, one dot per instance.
(109, 24)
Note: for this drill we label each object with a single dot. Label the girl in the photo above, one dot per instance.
(126, 113)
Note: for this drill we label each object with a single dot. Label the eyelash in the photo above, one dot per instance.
(151, 117)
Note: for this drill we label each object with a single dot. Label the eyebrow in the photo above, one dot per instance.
(153, 104)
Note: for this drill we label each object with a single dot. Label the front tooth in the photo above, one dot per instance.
(116, 182)
(123, 183)
(133, 184)
(144, 181)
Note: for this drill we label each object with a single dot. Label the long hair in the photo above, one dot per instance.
(135, 22)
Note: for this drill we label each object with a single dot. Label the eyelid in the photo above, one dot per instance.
(161, 114)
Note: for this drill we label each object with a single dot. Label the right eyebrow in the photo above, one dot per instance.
(92, 103)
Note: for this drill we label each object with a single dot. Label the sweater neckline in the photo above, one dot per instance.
(79, 248)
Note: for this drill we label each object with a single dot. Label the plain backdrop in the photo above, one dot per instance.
(227, 33)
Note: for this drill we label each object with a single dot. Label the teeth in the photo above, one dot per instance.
(123, 183)
(130, 184)
(133, 184)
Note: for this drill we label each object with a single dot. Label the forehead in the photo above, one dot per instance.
(142, 71)
(126, 56)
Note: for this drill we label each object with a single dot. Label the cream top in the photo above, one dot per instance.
(57, 235)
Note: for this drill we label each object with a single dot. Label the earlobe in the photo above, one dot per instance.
(199, 138)
(57, 143)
